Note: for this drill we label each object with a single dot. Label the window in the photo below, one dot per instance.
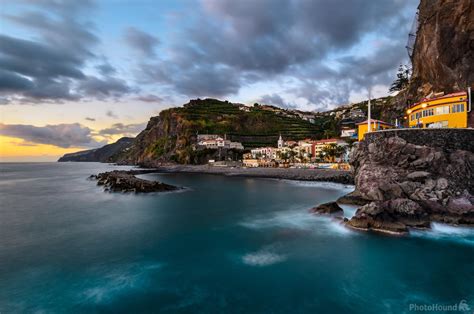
(412, 117)
(442, 110)
(458, 108)
(428, 112)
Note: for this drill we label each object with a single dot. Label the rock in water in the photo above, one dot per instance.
(331, 208)
(125, 181)
(412, 177)
(394, 216)
(352, 199)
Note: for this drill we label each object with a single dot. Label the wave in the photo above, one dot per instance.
(349, 210)
(300, 220)
(443, 232)
(103, 288)
(322, 184)
(263, 258)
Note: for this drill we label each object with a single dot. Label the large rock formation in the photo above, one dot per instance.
(331, 208)
(414, 176)
(443, 55)
(107, 153)
(125, 181)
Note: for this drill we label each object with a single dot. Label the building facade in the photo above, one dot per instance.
(375, 125)
(448, 111)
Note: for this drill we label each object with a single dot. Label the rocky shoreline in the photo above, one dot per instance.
(127, 182)
(409, 178)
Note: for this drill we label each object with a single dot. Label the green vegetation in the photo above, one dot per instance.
(402, 80)
(259, 126)
(163, 145)
(172, 135)
(331, 152)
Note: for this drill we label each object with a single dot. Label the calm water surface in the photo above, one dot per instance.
(224, 245)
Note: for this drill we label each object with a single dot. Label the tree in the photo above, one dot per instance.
(332, 151)
(402, 80)
(329, 133)
(291, 155)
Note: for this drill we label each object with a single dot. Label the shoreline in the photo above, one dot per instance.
(327, 175)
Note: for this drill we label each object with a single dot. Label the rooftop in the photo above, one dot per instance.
(440, 97)
(374, 120)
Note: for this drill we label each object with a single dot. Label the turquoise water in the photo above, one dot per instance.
(224, 245)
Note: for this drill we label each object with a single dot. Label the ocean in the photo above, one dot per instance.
(222, 245)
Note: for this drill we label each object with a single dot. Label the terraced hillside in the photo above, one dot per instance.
(259, 126)
(171, 135)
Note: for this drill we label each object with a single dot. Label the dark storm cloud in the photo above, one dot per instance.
(354, 74)
(275, 100)
(149, 98)
(106, 69)
(237, 43)
(124, 129)
(103, 88)
(141, 41)
(37, 60)
(51, 67)
(10, 81)
(205, 79)
(218, 48)
(61, 135)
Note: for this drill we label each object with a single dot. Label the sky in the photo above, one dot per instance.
(76, 75)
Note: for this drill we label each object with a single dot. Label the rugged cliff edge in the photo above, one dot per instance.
(443, 54)
(107, 153)
(411, 177)
(171, 136)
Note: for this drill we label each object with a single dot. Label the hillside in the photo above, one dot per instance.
(107, 153)
(171, 135)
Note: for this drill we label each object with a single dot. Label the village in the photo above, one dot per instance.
(436, 111)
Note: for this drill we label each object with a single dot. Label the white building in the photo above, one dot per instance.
(280, 142)
(214, 141)
(348, 132)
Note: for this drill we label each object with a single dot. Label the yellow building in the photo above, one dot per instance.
(375, 125)
(449, 111)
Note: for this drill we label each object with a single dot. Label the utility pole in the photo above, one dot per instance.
(369, 127)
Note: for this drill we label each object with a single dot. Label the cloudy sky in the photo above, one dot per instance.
(78, 74)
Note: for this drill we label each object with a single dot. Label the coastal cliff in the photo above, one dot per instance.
(443, 54)
(108, 153)
(171, 136)
(412, 177)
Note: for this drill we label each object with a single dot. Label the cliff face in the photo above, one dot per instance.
(443, 55)
(107, 153)
(413, 177)
(171, 136)
(165, 138)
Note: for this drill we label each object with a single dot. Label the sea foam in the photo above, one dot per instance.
(443, 232)
(299, 220)
(263, 258)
